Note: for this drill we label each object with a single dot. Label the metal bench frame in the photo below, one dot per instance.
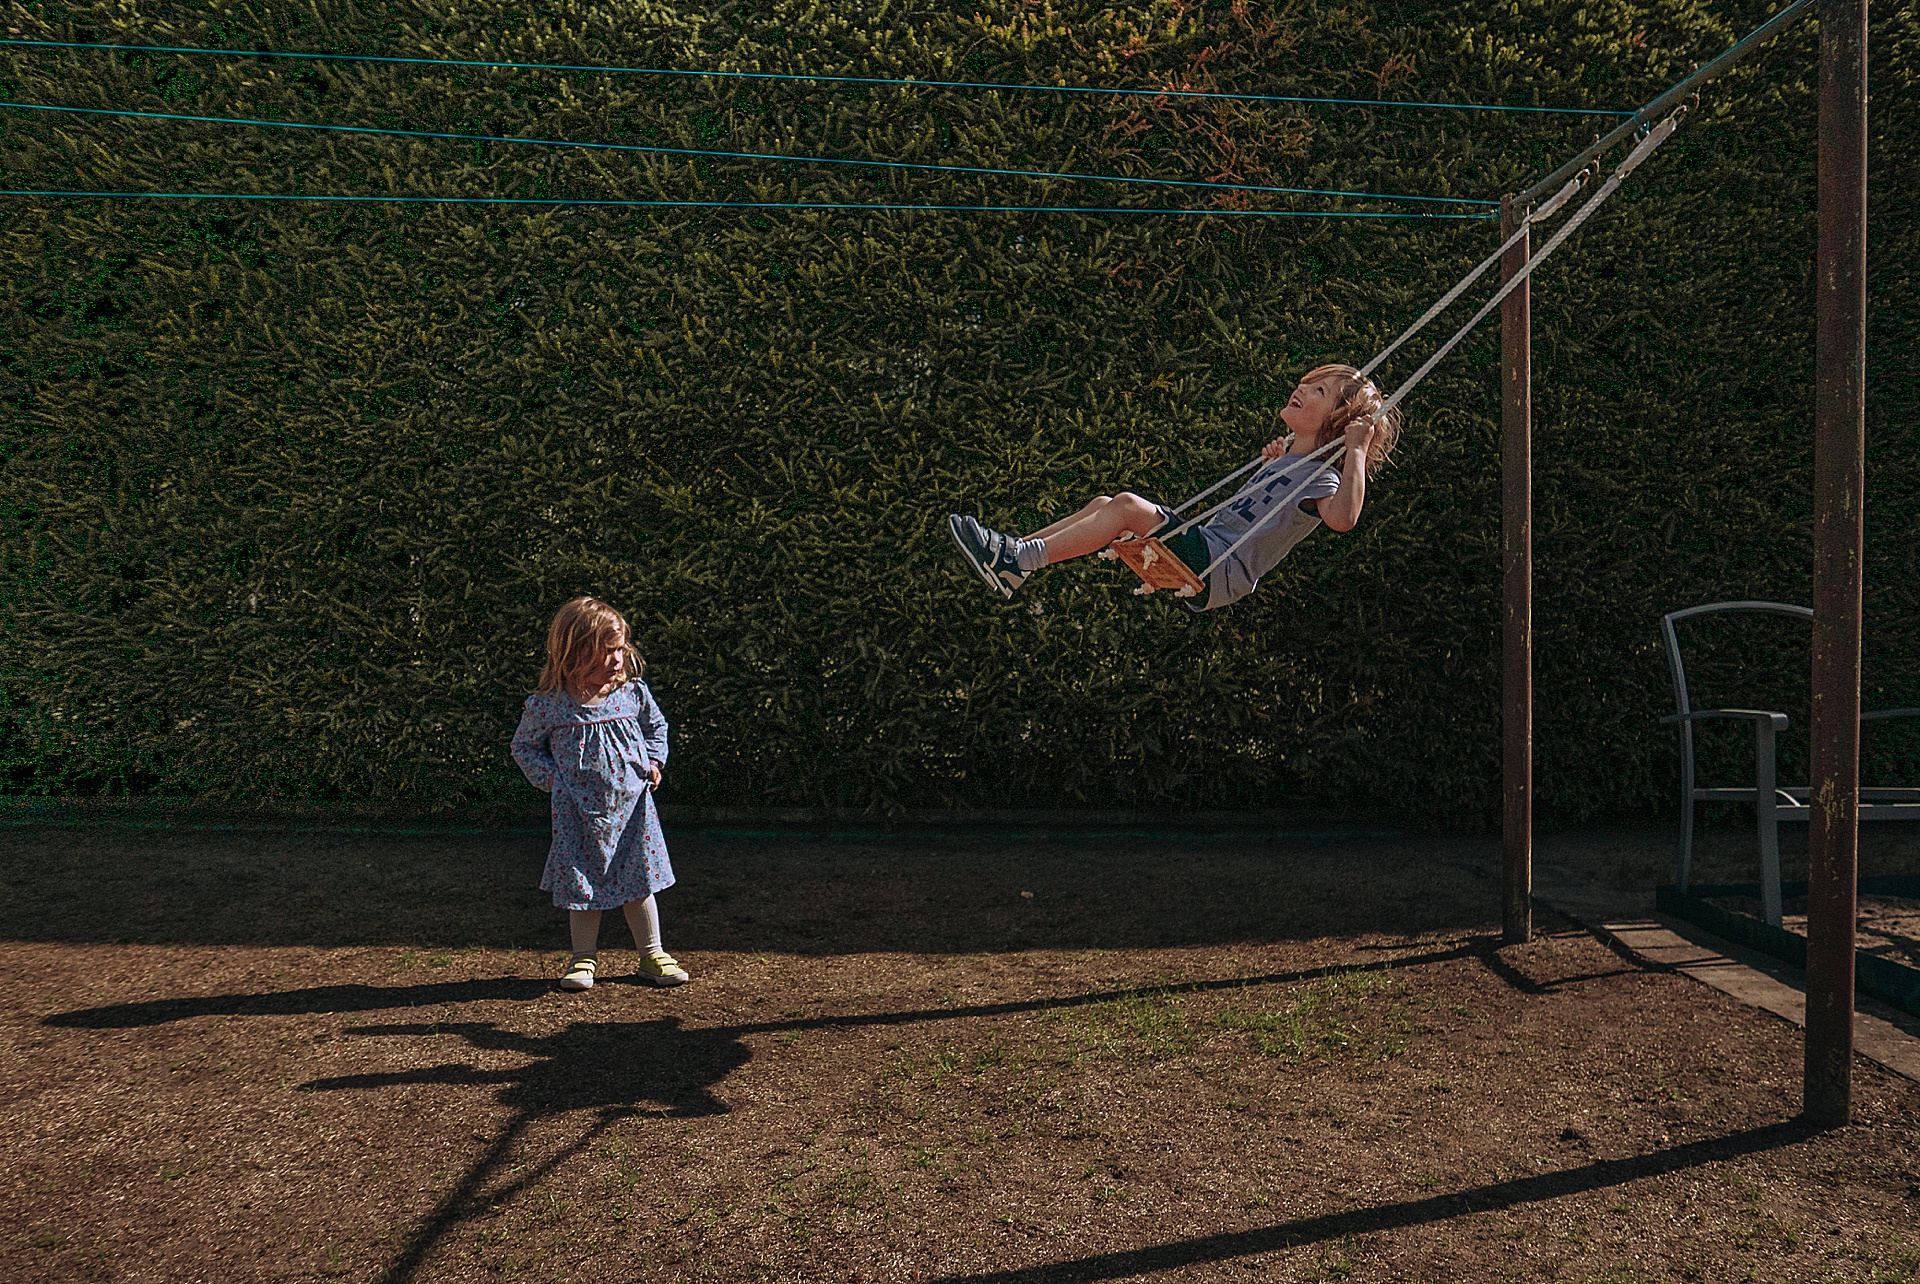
(1772, 803)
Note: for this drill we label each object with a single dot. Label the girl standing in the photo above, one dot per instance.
(593, 738)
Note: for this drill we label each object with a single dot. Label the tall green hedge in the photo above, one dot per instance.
(289, 491)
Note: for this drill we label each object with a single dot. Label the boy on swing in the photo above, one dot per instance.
(1279, 506)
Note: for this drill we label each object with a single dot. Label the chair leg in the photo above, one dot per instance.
(1767, 819)
(1683, 873)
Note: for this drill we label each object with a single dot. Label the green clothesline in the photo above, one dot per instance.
(702, 152)
(741, 205)
(196, 51)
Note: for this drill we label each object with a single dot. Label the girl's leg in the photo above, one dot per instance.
(1098, 525)
(644, 918)
(585, 925)
(657, 967)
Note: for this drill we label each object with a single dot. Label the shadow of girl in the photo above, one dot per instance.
(613, 1070)
(591, 1065)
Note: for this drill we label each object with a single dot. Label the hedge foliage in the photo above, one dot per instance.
(291, 490)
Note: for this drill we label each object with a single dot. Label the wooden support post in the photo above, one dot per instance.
(1516, 524)
(1839, 490)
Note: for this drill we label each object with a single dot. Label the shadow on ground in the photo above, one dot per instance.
(606, 1071)
(974, 893)
(1497, 1196)
(946, 895)
(335, 999)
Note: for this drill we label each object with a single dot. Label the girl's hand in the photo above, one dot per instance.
(1274, 449)
(653, 774)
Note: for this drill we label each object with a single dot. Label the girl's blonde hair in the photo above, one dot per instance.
(1353, 397)
(574, 640)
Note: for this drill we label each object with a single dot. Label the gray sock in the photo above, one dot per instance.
(1031, 554)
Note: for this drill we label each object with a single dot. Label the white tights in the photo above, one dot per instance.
(642, 916)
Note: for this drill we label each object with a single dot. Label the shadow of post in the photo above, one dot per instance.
(1207, 1249)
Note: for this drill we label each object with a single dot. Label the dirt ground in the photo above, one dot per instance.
(271, 1055)
(1888, 926)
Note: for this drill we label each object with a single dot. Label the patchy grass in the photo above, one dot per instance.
(1361, 1015)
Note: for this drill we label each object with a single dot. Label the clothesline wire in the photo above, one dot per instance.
(875, 206)
(770, 156)
(909, 82)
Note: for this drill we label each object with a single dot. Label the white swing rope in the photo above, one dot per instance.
(1546, 210)
(1340, 443)
(1644, 148)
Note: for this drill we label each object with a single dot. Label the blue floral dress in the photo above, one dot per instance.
(607, 845)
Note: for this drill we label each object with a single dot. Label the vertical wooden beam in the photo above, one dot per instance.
(1839, 490)
(1516, 524)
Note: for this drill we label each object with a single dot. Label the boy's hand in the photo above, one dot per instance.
(1360, 434)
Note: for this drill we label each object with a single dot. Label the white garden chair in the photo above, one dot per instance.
(1773, 804)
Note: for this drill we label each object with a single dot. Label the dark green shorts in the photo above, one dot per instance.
(1190, 548)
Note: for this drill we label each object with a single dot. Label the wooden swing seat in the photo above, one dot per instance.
(1156, 565)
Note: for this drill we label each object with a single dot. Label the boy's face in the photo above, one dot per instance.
(1307, 410)
(609, 657)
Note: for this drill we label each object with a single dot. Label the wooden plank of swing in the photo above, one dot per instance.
(1166, 572)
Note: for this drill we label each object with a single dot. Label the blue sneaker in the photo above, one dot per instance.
(988, 552)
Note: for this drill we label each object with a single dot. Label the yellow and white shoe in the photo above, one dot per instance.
(658, 968)
(579, 974)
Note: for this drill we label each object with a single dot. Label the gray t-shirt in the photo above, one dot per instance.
(1273, 501)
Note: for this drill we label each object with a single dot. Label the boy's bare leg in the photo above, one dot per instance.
(1047, 532)
(1098, 525)
(1004, 562)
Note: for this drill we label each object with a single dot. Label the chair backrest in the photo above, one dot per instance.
(1670, 639)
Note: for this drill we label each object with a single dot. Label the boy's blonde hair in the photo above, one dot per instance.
(574, 639)
(1353, 397)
